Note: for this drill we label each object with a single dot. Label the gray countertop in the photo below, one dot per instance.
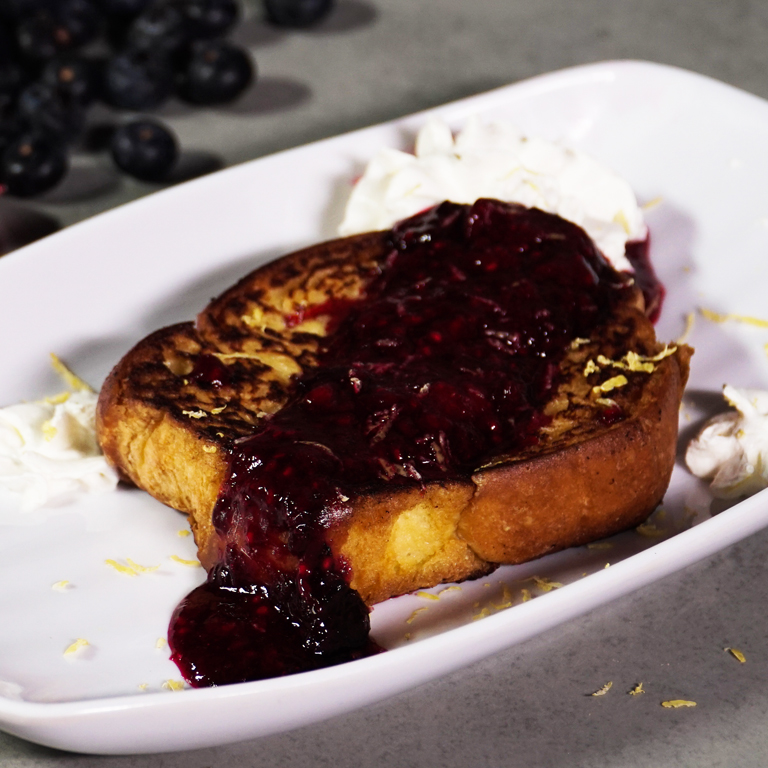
(378, 59)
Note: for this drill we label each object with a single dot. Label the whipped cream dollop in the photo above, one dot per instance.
(49, 452)
(732, 448)
(497, 161)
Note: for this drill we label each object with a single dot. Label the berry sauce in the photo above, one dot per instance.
(447, 361)
(645, 277)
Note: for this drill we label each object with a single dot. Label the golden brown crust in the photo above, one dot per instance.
(584, 490)
(170, 434)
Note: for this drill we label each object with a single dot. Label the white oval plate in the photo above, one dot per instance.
(693, 145)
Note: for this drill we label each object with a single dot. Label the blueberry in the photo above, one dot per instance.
(119, 15)
(73, 77)
(145, 149)
(80, 18)
(163, 27)
(31, 165)
(12, 79)
(138, 80)
(216, 72)
(210, 18)
(17, 9)
(41, 37)
(43, 107)
(125, 8)
(297, 13)
(7, 43)
(12, 127)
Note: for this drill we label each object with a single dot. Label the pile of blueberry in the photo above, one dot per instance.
(57, 57)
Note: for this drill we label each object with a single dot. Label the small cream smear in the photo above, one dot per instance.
(48, 448)
(497, 161)
(731, 451)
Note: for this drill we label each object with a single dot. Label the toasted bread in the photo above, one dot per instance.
(166, 429)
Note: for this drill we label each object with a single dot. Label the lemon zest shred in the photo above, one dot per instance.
(651, 204)
(81, 642)
(173, 685)
(606, 402)
(506, 599)
(636, 690)
(544, 584)
(217, 411)
(62, 397)
(72, 380)
(184, 532)
(635, 363)
(141, 568)
(224, 356)
(482, 614)
(209, 449)
(49, 431)
(602, 691)
(120, 568)
(194, 414)
(677, 703)
(143, 686)
(182, 561)
(413, 616)
(60, 586)
(526, 595)
(427, 595)
(650, 531)
(579, 342)
(717, 317)
(738, 655)
(690, 318)
(613, 383)
(591, 367)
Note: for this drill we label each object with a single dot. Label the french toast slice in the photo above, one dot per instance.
(173, 409)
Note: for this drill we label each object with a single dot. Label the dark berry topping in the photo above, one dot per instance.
(447, 362)
(209, 371)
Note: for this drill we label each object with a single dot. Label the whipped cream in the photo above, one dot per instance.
(48, 450)
(497, 161)
(732, 448)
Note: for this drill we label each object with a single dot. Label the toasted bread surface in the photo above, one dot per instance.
(166, 428)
